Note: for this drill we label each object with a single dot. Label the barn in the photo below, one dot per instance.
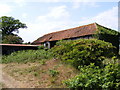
(93, 30)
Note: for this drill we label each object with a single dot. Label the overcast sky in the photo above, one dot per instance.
(45, 16)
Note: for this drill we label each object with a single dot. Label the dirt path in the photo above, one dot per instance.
(36, 75)
(10, 82)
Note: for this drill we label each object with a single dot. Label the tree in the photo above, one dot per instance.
(12, 39)
(8, 25)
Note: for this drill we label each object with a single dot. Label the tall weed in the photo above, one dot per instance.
(26, 56)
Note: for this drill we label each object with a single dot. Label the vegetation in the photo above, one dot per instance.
(96, 63)
(27, 56)
(108, 35)
(94, 77)
(53, 73)
(83, 51)
(9, 25)
(104, 30)
(12, 39)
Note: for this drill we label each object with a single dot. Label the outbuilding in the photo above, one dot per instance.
(9, 48)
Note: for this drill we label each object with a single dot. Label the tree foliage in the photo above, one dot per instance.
(12, 39)
(8, 25)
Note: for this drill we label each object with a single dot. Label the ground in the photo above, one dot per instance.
(44, 74)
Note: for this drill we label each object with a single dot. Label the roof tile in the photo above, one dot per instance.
(68, 33)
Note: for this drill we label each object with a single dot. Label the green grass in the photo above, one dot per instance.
(27, 56)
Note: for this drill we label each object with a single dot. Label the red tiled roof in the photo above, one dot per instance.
(18, 45)
(69, 33)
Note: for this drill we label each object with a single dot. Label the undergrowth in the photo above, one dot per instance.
(94, 77)
(83, 51)
(26, 56)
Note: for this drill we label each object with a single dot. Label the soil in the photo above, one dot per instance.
(35, 75)
(8, 81)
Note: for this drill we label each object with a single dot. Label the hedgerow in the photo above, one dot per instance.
(83, 51)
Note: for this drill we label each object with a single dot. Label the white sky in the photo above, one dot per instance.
(45, 16)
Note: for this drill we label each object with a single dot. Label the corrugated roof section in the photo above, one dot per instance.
(69, 33)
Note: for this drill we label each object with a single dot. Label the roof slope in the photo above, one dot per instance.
(68, 33)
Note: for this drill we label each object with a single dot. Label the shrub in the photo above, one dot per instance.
(93, 77)
(26, 56)
(83, 51)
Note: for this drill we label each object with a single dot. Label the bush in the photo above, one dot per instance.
(93, 77)
(83, 51)
(26, 56)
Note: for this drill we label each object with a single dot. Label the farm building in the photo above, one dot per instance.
(9, 48)
(93, 30)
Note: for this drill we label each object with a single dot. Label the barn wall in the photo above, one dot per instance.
(82, 37)
(51, 44)
(9, 49)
